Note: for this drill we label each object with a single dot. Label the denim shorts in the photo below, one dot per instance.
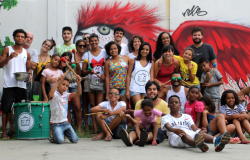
(116, 131)
(61, 129)
(160, 136)
(72, 89)
(122, 92)
(136, 93)
(209, 131)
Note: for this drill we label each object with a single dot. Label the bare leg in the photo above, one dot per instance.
(155, 130)
(105, 131)
(132, 135)
(92, 104)
(150, 137)
(11, 121)
(218, 124)
(136, 98)
(115, 122)
(188, 140)
(245, 124)
(239, 130)
(138, 128)
(4, 120)
(85, 101)
(207, 138)
(231, 128)
(76, 102)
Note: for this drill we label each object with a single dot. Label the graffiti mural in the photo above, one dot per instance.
(134, 19)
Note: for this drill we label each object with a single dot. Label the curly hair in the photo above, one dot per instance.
(224, 97)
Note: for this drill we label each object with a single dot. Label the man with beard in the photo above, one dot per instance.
(201, 49)
(175, 89)
(152, 91)
(67, 45)
(34, 59)
(14, 59)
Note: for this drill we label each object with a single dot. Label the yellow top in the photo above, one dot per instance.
(162, 106)
(40, 66)
(185, 72)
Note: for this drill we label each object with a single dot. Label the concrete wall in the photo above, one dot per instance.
(45, 19)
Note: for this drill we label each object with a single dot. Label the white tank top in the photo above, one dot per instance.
(180, 94)
(139, 77)
(16, 64)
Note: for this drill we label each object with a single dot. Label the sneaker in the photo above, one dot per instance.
(221, 141)
(199, 142)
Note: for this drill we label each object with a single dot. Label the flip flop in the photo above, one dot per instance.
(125, 138)
(96, 138)
(143, 138)
(107, 139)
(245, 142)
(3, 137)
(154, 143)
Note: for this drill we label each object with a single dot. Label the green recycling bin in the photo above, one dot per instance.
(32, 120)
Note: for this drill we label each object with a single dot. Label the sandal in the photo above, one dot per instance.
(143, 138)
(154, 143)
(125, 138)
(245, 142)
(96, 138)
(108, 139)
(235, 140)
(5, 137)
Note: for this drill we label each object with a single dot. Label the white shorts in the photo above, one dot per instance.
(175, 140)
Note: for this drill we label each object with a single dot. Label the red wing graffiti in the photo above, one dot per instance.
(231, 43)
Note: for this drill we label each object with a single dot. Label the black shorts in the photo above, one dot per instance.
(10, 96)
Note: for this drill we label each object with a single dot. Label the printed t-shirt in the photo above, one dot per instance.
(47, 73)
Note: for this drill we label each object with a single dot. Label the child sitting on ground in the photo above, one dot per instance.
(211, 89)
(182, 132)
(145, 119)
(235, 114)
(59, 98)
(214, 122)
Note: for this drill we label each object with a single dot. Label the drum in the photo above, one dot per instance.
(32, 120)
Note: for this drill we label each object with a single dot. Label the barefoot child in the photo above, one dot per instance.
(147, 120)
(193, 107)
(188, 68)
(235, 114)
(59, 98)
(182, 132)
(214, 122)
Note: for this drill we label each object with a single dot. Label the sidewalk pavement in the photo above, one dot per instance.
(86, 149)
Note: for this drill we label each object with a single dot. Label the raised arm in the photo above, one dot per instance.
(79, 88)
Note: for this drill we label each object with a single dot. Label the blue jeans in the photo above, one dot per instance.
(61, 129)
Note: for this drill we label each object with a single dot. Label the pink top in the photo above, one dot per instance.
(147, 120)
(192, 109)
(55, 74)
(164, 73)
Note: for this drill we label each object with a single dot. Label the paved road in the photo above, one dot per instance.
(86, 149)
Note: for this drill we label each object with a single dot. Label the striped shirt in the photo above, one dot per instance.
(237, 109)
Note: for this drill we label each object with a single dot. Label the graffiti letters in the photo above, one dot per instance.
(196, 10)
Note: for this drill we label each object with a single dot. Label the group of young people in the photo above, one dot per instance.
(163, 90)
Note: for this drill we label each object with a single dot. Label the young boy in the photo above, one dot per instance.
(118, 35)
(59, 98)
(211, 89)
(67, 45)
(182, 132)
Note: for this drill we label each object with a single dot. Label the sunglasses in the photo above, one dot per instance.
(174, 78)
(85, 38)
(82, 46)
(116, 94)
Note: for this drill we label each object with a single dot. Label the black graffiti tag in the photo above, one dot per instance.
(195, 10)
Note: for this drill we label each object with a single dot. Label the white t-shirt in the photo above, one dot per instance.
(59, 107)
(124, 50)
(131, 55)
(97, 62)
(106, 105)
(33, 54)
(184, 122)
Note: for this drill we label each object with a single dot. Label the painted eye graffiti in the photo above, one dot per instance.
(104, 30)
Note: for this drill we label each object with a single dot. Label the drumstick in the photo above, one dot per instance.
(85, 61)
(185, 82)
(108, 127)
(73, 66)
(64, 60)
(90, 69)
(173, 78)
(94, 113)
(214, 65)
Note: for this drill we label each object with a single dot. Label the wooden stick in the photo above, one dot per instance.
(211, 76)
(66, 73)
(166, 82)
(71, 69)
(185, 82)
(108, 127)
(94, 113)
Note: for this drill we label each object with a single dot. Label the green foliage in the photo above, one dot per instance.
(7, 41)
(8, 4)
(1, 47)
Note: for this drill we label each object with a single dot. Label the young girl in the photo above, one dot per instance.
(193, 107)
(214, 122)
(116, 70)
(235, 114)
(51, 71)
(188, 68)
(140, 71)
(145, 119)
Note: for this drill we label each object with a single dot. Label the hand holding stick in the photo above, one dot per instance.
(108, 127)
(90, 69)
(73, 66)
(214, 65)
(64, 60)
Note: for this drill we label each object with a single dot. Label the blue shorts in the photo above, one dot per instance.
(72, 89)
(136, 93)
(122, 92)
(210, 132)
(116, 131)
(160, 136)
